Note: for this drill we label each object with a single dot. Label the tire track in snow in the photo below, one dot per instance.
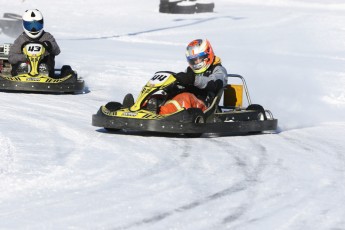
(197, 21)
(250, 174)
(156, 218)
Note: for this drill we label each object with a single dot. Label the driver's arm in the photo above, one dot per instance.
(16, 53)
(214, 81)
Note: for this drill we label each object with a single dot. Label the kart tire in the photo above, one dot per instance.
(204, 7)
(198, 117)
(180, 8)
(113, 106)
(65, 70)
(164, 6)
(128, 100)
(262, 114)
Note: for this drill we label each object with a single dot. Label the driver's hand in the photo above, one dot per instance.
(185, 78)
(48, 46)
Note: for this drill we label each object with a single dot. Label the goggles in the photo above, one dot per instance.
(196, 59)
(33, 26)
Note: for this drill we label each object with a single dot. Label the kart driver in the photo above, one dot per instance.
(204, 77)
(33, 32)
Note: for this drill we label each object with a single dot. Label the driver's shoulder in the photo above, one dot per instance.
(46, 36)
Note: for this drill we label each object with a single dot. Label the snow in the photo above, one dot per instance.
(57, 171)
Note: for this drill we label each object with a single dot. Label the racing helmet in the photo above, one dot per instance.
(199, 54)
(33, 23)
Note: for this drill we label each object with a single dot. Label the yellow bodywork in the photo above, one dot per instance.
(34, 53)
(148, 89)
(127, 113)
(159, 81)
(38, 78)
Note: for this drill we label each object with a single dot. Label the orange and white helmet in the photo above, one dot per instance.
(199, 55)
(33, 23)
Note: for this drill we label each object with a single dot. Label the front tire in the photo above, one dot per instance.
(113, 106)
(128, 100)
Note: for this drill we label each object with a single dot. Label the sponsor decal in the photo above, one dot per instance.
(33, 79)
(130, 114)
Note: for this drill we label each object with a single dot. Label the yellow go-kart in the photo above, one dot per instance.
(33, 79)
(229, 117)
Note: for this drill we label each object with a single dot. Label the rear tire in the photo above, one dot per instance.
(164, 6)
(180, 8)
(66, 70)
(262, 114)
(198, 117)
(204, 7)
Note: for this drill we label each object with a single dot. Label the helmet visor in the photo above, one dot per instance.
(33, 26)
(196, 59)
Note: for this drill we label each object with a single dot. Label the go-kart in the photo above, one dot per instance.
(33, 79)
(229, 118)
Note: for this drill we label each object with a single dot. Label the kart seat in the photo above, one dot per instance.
(233, 96)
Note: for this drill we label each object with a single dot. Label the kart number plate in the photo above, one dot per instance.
(159, 78)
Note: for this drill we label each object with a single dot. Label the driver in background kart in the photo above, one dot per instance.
(33, 32)
(204, 77)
